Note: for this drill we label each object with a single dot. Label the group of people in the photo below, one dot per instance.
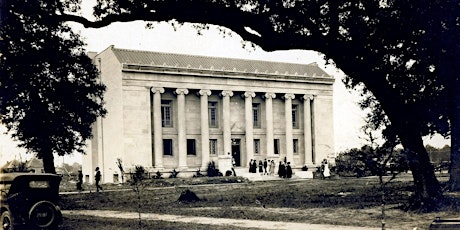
(266, 167)
(97, 179)
(285, 170)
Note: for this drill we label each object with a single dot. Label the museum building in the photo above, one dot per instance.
(172, 111)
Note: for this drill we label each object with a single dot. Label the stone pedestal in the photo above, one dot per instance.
(224, 163)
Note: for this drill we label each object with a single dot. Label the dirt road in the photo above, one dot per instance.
(213, 221)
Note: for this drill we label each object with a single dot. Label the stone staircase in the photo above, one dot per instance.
(244, 172)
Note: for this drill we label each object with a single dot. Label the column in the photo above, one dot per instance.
(269, 120)
(226, 94)
(307, 129)
(249, 125)
(288, 116)
(204, 94)
(181, 127)
(157, 127)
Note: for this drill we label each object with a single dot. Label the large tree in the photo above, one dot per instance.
(395, 48)
(49, 93)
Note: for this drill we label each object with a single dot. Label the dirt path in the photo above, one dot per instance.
(212, 221)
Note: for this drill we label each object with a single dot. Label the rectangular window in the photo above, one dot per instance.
(257, 146)
(212, 113)
(167, 147)
(191, 147)
(276, 147)
(166, 113)
(295, 116)
(256, 115)
(213, 146)
(295, 146)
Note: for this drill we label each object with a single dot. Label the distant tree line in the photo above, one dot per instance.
(364, 161)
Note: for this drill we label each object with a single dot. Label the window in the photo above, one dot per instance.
(167, 147)
(295, 146)
(212, 113)
(276, 147)
(295, 116)
(213, 146)
(256, 115)
(191, 147)
(257, 146)
(166, 113)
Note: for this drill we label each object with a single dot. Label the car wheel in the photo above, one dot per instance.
(42, 215)
(6, 221)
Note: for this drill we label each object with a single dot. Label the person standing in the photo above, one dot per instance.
(261, 167)
(327, 171)
(281, 170)
(288, 170)
(80, 181)
(254, 166)
(321, 170)
(97, 178)
(272, 167)
(265, 167)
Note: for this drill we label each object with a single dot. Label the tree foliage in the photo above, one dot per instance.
(49, 93)
(399, 50)
(404, 52)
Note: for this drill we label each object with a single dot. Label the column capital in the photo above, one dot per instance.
(289, 96)
(204, 92)
(181, 91)
(157, 89)
(249, 94)
(227, 93)
(270, 95)
(308, 97)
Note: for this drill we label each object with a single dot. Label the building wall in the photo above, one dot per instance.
(127, 132)
(107, 143)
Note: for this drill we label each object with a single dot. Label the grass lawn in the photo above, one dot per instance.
(345, 201)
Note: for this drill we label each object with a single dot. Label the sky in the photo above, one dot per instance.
(348, 117)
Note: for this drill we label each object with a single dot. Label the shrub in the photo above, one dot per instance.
(174, 174)
(158, 175)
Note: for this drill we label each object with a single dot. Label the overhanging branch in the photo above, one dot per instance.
(211, 13)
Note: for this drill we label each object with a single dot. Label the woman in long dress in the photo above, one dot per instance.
(327, 172)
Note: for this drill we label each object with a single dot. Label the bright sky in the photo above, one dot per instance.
(348, 117)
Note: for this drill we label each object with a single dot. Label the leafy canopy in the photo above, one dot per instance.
(49, 92)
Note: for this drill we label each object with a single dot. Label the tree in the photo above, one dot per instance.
(396, 49)
(49, 94)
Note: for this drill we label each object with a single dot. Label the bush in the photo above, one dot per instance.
(364, 162)
(174, 174)
(158, 175)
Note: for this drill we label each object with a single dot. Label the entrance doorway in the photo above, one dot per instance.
(236, 151)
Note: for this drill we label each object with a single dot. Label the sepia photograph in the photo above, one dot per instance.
(222, 114)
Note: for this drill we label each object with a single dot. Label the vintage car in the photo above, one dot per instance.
(28, 201)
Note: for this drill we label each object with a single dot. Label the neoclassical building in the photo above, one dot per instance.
(172, 111)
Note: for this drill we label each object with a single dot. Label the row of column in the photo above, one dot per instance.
(226, 94)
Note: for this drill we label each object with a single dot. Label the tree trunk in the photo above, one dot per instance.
(427, 189)
(48, 163)
(454, 180)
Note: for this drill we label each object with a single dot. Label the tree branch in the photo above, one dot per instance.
(213, 13)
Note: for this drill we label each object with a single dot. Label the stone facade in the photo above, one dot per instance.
(171, 111)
